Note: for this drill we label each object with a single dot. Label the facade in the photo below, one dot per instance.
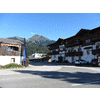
(11, 51)
(85, 45)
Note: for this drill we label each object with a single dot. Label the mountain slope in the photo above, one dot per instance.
(40, 40)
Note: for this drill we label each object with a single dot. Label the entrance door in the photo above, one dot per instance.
(60, 59)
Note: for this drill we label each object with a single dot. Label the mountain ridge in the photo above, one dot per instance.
(35, 39)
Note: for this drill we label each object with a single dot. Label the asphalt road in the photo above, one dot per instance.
(47, 75)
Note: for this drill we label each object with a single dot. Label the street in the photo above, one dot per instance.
(47, 75)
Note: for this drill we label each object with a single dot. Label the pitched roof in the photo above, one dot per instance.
(93, 30)
(57, 42)
(82, 32)
(10, 41)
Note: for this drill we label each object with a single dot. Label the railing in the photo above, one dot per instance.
(51, 48)
(94, 39)
(9, 53)
(96, 51)
(80, 53)
(72, 44)
(53, 53)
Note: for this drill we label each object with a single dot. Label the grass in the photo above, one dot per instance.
(12, 65)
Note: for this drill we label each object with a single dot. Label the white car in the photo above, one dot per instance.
(79, 62)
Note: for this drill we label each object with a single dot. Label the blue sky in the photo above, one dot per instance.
(50, 25)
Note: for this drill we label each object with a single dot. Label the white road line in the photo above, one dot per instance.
(85, 83)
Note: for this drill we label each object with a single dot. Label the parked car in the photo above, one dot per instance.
(94, 62)
(80, 62)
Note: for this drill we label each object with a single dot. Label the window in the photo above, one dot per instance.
(88, 41)
(12, 60)
(12, 48)
(88, 52)
(76, 40)
(96, 34)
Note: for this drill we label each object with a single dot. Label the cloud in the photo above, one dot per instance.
(33, 33)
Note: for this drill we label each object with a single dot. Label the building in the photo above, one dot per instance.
(84, 45)
(36, 55)
(11, 51)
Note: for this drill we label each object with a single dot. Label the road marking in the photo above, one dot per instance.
(85, 83)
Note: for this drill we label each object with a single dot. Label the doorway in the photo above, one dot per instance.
(60, 59)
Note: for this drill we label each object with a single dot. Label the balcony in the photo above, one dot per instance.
(74, 44)
(96, 51)
(80, 53)
(94, 39)
(52, 48)
(53, 53)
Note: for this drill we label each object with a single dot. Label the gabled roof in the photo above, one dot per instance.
(10, 41)
(93, 30)
(82, 32)
(57, 42)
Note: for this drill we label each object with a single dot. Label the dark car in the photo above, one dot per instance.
(94, 62)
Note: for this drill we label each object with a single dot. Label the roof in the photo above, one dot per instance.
(93, 30)
(10, 41)
(82, 32)
(58, 41)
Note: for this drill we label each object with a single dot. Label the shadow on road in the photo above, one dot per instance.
(78, 77)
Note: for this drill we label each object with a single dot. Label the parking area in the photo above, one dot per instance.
(50, 75)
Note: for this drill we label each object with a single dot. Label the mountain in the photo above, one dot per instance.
(36, 44)
(40, 40)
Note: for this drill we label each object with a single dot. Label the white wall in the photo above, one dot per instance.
(7, 59)
(88, 57)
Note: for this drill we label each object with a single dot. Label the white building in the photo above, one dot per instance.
(85, 45)
(36, 56)
(11, 51)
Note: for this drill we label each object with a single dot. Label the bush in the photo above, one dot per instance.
(12, 65)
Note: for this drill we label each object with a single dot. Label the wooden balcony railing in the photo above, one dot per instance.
(53, 53)
(52, 48)
(80, 53)
(96, 51)
(94, 39)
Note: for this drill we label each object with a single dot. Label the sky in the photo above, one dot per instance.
(51, 25)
